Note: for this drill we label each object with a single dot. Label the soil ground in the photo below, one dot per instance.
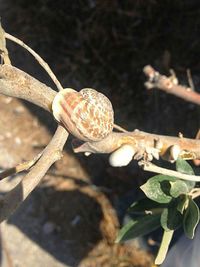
(72, 218)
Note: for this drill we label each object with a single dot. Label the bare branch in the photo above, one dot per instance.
(17, 195)
(119, 128)
(190, 80)
(3, 49)
(148, 166)
(37, 57)
(143, 143)
(20, 167)
(17, 83)
(169, 85)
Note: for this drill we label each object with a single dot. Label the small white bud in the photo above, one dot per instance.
(122, 156)
(174, 152)
(87, 154)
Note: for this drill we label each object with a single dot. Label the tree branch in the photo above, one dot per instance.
(148, 166)
(37, 57)
(17, 195)
(3, 50)
(143, 143)
(19, 168)
(169, 85)
(17, 83)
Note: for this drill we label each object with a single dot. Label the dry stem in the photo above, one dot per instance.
(3, 50)
(143, 143)
(169, 85)
(20, 167)
(148, 166)
(17, 83)
(37, 57)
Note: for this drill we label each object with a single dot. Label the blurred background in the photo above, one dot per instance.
(72, 218)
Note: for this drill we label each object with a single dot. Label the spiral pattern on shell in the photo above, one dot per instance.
(88, 114)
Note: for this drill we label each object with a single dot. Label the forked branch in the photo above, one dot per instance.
(17, 195)
(169, 85)
(16, 83)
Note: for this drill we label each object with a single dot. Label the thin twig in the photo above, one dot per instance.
(37, 57)
(190, 80)
(20, 167)
(169, 85)
(3, 50)
(197, 161)
(119, 128)
(148, 166)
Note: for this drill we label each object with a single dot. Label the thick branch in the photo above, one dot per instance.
(143, 143)
(169, 85)
(17, 83)
(17, 195)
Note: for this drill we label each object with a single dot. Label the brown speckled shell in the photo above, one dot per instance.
(88, 114)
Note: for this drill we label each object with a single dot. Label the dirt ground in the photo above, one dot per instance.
(72, 218)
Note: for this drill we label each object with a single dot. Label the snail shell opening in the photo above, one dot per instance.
(88, 114)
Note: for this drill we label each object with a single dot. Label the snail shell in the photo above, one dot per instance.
(88, 114)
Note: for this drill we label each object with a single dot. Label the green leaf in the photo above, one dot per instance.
(191, 219)
(164, 246)
(171, 218)
(179, 187)
(140, 226)
(144, 205)
(183, 202)
(184, 167)
(157, 188)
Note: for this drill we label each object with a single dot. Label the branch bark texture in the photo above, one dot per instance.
(17, 83)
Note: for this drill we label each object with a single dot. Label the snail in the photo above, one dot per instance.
(88, 115)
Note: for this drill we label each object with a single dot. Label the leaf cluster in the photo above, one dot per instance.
(169, 204)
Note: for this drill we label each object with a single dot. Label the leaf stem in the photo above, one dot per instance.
(164, 246)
